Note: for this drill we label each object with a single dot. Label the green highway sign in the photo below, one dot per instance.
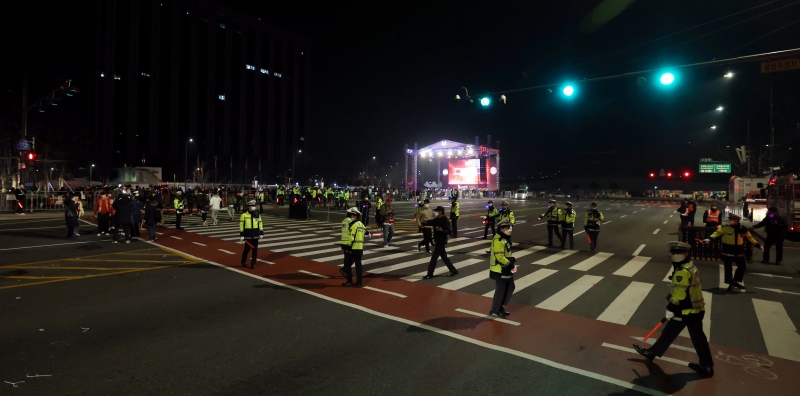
(715, 167)
(706, 160)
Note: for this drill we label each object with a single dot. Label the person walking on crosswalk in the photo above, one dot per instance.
(387, 216)
(357, 232)
(685, 309)
(568, 216)
(733, 249)
(489, 220)
(591, 223)
(424, 214)
(553, 215)
(214, 203)
(441, 229)
(502, 269)
(251, 229)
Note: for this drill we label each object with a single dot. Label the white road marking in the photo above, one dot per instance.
(632, 267)
(631, 350)
(666, 277)
(622, 216)
(639, 250)
(666, 221)
(706, 320)
(34, 228)
(624, 306)
(779, 291)
(527, 280)
(591, 262)
(511, 322)
(780, 334)
(173, 236)
(472, 232)
(294, 242)
(313, 274)
(313, 252)
(462, 282)
(395, 267)
(555, 257)
(656, 231)
(771, 276)
(443, 269)
(722, 284)
(384, 291)
(670, 215)
(265, 261)
(466, 245)
(579, 232)
(635, 211)
(567, 295)
(226, 251)
(652, 340)
(330, 243)
(523, 253)
(199, 244)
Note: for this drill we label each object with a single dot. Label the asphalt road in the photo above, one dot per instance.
(93, 317)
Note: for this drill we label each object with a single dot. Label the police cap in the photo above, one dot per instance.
(569, 203)
(251, 202)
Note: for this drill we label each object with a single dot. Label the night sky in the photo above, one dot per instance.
(386, 75)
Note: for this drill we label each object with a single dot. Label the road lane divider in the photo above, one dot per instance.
(314, 274)
(384, 291)
(639, 250)
(487, 316)
(656, 231)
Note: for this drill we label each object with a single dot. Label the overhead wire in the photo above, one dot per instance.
(759, 38)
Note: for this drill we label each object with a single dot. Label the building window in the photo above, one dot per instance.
(264, 71)
(278, 75)
(250, 67)
(117, 77)
(221, 97)
(145, 74)
(222, 25)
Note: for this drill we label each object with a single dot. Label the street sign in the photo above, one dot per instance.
(780, 65)
(706, 160)
(23, 145)
(715, 167)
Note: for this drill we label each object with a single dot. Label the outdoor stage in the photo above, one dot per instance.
(457, 166)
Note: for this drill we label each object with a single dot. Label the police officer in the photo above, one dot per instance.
(441, 229)
(591, 223)
(506, 213)
(455, 211)
(733, 236)
(777, 226)
(178, 204)
(251, 229)
(346, 240)
(686, 308)
(260, 200)
(502, 269)
(553, 215)
(281, 194)
(568, 216)
(491, 216)
(357, 231)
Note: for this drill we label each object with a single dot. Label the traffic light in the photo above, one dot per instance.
(31, 157)
(686, 174)
(667, 78)
(669, 174)
(485, 101)
(652, 175)
(569, 90)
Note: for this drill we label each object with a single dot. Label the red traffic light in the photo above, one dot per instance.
(685, 174)
(31, 156)
(669, 174)
(652, 174)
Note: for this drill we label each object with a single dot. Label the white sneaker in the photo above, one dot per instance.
(127, 241)
(114, 242)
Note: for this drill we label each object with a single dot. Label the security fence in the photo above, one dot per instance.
(711, 251)
(41, 201)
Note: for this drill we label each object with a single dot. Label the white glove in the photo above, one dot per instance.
(669, 315)
(706, 240)
(241, 239)
(260, 237)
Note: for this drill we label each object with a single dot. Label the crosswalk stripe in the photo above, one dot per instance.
(523, 253)
(706, 320)
(666, 277)
(395, 267)
(591, 262)
(330, 243)
(528, 280)
(314, 252)
(465, 245)
(555, 257)
(293, 242)
(461, 283)
(624, 306)
(780, 334)
(639, 250)
(441, 270)
(632, 267)
(567, 295)
(722, 284)
(387, 258)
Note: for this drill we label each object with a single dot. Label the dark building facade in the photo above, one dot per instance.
(159, 73)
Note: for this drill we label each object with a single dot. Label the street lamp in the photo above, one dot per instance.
(186, 164)
(719, 108)
(713, 127)
(294, 155)
(91, 168)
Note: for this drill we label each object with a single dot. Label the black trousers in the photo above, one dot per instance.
(438, 251)
(593, 235)
(489, 224)
(178, 220)
(741, 267)
(355, 258)
(122, 228)
(564, 233)
(427, 238)
(454, 222)
(553, 229)
(102, 223)
(673, 328)
(778, 242)
(248, 245)
(135, 229)
(503, 290)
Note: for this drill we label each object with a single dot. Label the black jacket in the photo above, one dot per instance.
(151, 213)
(440, 236)
(71, 213)
(122, 206)
(776, 225)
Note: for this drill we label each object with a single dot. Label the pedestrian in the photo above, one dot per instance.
(777, 226)
(553, 215)
(136, 215)
(455, 212)
(260, 202)
(711, 217)
(684, 212)
(123, 220)
(441, 229)
(190, 196)
(502, 269)
(357, 231)
(568, 225)
(387, 214)
(489, 220)
(202, 202)
(178, 203)
(685, 309)
(364, 207)
(214, 203)
(72, 212)
(151, 216)
(733, 250)
(591, 223)
(424, 214)
(19, 194)
(251, 229)
(691, 209)
(103, 212)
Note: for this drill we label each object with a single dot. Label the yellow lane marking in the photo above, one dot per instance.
(72, 258)
(88, 268)
(129, 261)
(40, 277)
(90, 276)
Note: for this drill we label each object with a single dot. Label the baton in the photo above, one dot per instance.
(664, 320)
(249, 244)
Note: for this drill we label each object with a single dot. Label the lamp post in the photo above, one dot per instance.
(91, 168)
(186, 164)
(294, 155)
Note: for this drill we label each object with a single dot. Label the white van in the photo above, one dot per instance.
(523, 194)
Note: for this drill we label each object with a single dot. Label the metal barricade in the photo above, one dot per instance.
(711, 251)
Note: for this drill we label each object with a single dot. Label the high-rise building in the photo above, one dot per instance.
(159, 73)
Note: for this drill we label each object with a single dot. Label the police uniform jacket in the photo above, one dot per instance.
(686, 293)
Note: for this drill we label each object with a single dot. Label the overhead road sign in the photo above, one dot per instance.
(715, 167)
(780, 65)
(23, 145)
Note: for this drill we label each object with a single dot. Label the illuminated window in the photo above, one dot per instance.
(145, 74)
(221, 97)
(278, 75)
(117, 77)
(222, 25)
(264, 71)
(250, 67)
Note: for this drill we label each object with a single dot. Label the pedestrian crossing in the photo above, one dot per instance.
(615, 288)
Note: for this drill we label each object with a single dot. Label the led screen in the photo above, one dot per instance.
(464, 171)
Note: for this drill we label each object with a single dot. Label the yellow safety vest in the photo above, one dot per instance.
(553, 214)
(357, 231)
(248, 222)
(592, 219)
(686, 279)
(509, 214)
(501, 251)
(347, 239)
(455, 209)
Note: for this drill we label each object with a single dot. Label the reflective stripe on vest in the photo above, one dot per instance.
(713, 217)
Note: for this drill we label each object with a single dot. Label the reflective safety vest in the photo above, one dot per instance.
(347, 238)
(501, 251)
(713, 216)
(250, 226)
(491, 213)
(593, 219)
(280, 191)
(177, 203)
(261, 197)
(357, 231)
(686, 293)
(347, 195)
(733, 239)
(455, 209)
(568, 217)
(313, 194)
(507, 214)
(379, 203)
(553, 215)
